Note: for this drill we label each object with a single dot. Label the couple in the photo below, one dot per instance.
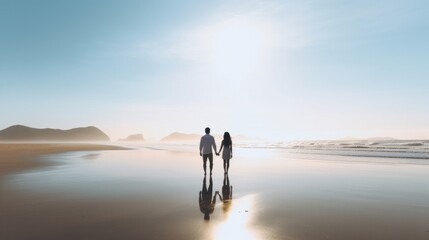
(208, 143)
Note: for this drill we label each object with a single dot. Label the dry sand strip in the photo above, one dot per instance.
(21, 156)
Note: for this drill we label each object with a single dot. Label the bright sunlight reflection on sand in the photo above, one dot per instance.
(237, 220)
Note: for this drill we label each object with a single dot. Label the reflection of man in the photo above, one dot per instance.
(207, 205)
(206, 144)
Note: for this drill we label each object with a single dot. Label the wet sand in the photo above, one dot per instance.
(153, 192)
(21, 156)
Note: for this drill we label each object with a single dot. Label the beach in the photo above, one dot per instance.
(152, 191)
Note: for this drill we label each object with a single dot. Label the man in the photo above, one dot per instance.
(206, 144)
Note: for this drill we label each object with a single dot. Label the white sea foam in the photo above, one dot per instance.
(362, 148)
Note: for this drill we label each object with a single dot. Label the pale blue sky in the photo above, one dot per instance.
(274, 69)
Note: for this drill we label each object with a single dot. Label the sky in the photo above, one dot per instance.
(278, 70)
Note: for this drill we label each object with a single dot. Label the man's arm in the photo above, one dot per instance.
(214, 198)
(219, 195)
(214, 146)
(201, 146)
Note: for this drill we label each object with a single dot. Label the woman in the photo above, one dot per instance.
(227, 151)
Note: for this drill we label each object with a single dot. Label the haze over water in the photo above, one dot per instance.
(152, 192)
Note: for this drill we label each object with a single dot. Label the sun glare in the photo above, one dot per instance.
(238, 47)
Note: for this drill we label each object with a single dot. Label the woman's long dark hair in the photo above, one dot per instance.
(227, 139)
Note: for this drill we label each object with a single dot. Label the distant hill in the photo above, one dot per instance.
(133, 138)
(176, 136)
(24, 133)
(381, 139)
(368, 139)
(349, 139)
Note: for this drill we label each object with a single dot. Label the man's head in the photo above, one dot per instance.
(207, 130)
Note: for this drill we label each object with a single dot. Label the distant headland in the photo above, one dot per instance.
(176, 136)
(133, 138)
(24, 133)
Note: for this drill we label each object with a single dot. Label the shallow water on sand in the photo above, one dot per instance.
(153, 192)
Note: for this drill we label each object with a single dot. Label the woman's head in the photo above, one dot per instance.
(227, 139)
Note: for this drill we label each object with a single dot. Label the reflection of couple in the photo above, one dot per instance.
(207, 204)
(208, 143)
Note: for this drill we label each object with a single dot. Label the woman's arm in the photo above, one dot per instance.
(221, 146)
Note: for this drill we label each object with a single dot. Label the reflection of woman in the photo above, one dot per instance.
(205, 199)
(227, 151)
(226, 193)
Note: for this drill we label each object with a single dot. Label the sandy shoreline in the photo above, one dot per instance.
(153, 193)
(21, 156)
